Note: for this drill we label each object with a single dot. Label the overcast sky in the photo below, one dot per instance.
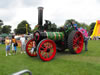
(13, 12)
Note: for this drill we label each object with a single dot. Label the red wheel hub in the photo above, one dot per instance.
(47, 50)
(78, 42)
(31, 48)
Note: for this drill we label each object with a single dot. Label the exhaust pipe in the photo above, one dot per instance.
(40, 17)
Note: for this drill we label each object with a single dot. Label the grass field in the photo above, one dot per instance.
(85, 63)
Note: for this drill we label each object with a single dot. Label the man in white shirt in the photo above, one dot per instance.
(22, 39)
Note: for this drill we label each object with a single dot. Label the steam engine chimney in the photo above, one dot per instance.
(40, 17)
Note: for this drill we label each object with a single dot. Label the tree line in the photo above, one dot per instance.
(48, 26)
(4, 28)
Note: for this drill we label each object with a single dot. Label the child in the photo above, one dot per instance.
(7, 43)
(15, 46)
(33, 48)
(13, 41)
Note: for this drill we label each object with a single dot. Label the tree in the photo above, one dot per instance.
(21, 28)
(6, 29)
(67, 22)
(0, 29)
(83, 25)
(1, 23)
(91, 27)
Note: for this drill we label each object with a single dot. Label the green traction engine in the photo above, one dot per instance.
(45, 44)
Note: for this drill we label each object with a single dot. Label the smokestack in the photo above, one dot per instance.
(40, 16)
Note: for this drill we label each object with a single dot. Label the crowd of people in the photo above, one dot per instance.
(12, 44)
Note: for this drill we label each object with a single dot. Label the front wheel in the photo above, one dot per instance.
(75, 42)
(46, 49)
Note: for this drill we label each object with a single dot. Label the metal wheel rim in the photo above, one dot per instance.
(78, 42)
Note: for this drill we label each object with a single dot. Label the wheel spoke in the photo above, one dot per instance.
(79, 47)
(42, 47)
(45, 55)
(74, 44)
(42, 52)
(50, 45)
(75, 38)
(79, 37)
(80, 42)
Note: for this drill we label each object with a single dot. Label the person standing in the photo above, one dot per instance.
(13, 41)
(7, 43)
(85, 36)
(22, 39)
(86, 43)
(15, 46)
(75, 25)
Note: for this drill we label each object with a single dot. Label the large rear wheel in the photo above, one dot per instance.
(75, 42)
(46, 49)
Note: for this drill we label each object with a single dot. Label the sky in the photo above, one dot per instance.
(12, 12)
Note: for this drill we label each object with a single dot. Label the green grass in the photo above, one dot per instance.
(85, 63)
